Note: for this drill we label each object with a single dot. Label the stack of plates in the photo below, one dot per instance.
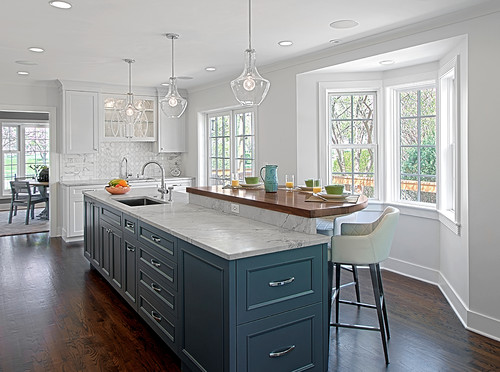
(334, 196)
(251, 185)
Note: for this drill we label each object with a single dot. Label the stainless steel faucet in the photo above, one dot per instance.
(126, 174)
(162, 189)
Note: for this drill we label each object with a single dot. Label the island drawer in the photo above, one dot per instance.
(165, 243)
(112, 216)
(270, 284)
(130, 225)
(152, 283)
(291, 341)
(162, 323)
(155, 264)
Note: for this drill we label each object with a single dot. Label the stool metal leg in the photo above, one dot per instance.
(356, 280)
(378, 305)
(337, 288)
(384, 308)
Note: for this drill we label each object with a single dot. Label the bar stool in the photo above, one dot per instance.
(365, 244)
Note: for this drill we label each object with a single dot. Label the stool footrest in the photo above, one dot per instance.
(358, 304)
(355, 326)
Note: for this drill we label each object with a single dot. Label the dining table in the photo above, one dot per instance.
(43, 188)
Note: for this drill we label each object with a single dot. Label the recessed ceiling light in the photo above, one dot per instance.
(285, 43)
(210, 69)
(387, 62)
(60, 4)
(165, 84)
(335, 41)
(344, 23)
(36, 49)
(26, 63)
(23, 73)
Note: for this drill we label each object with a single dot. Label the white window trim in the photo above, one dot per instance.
(393, 160)
(325, 88)
(449, 209)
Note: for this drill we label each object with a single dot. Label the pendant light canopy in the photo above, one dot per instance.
(173, 105)
(250, 88)
(130, 113)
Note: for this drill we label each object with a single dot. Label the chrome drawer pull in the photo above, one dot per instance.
(155, 263)
(281, 282)
(158, 318)
(155, 287)
(131, 249)
(155, 239)
(277, 354)
(130, 224)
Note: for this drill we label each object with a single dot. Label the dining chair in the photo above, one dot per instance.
(22, 195)
(363, 244)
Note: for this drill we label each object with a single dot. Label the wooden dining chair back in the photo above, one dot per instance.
(23, 195)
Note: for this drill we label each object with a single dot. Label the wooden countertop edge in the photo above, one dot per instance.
(340, 210)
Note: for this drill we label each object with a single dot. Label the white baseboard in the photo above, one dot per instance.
(473, 321)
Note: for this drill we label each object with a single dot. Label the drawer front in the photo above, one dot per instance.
(291, 341)
(151, 261)
(163, 324)
(271, 284)
(165, 243)
(152, 283)
(112, 216)
(130, 225)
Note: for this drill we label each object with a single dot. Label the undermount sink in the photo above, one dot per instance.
(136, 202)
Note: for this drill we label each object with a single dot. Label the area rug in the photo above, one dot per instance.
(18, 227)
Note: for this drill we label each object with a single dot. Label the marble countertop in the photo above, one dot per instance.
(225, 235)
(132, 180)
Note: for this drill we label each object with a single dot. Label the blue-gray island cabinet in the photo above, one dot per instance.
(256, 312)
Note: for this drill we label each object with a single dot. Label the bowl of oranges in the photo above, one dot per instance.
(117, 186)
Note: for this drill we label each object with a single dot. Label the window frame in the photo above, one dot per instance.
(233, 160)
(397, 120)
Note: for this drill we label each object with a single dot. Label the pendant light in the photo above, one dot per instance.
(130, 113)
(250, 88)
(173, 105)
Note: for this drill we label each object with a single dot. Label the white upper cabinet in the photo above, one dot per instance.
(114, 129)
(171, 132)
(80, 128)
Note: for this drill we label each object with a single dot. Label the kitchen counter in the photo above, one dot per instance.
(292, 203)
(224, 235)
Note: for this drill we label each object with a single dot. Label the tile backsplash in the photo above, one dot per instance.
(106, 164)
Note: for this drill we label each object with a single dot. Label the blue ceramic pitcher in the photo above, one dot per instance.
(271, 178)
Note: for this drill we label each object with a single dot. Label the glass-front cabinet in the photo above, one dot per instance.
(116, 128)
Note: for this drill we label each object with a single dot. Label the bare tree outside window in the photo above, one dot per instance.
(352, 141)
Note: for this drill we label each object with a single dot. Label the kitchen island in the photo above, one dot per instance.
(225, 293)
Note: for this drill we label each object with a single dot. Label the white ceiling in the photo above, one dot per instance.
(89, 41)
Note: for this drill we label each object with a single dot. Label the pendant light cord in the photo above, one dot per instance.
(172, 58)
(250, 24)
(130, 77)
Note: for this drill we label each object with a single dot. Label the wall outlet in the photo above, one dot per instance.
(235, 208)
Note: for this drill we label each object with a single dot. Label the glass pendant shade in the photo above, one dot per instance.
(129, 114)
(250, 88)
(173, 105)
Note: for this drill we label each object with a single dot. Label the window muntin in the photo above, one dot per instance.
(352, 145)
(417, 138)
(231, 145)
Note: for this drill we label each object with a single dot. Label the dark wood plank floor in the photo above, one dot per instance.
(58, 315)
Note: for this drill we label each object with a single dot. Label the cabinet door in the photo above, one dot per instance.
(112, 257)
(130, 271)
(92, 248)
(81, 122)
(172, 134)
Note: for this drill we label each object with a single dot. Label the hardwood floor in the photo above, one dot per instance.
(58, 315)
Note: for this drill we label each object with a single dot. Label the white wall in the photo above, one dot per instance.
(423, 243)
